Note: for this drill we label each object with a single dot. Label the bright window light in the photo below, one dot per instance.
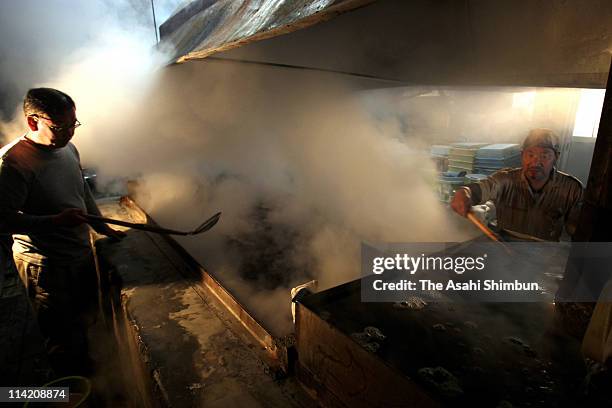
(523, 100)
(589, 112)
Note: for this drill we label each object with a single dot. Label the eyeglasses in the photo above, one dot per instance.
(54, 128)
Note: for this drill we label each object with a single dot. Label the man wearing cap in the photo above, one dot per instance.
(533, 202)
(43, 201)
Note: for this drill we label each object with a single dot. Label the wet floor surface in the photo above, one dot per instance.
(190, 348)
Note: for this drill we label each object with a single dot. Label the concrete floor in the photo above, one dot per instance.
(189, 348)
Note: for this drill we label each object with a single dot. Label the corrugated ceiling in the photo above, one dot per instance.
(206, 27)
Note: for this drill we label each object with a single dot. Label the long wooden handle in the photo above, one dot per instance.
(206, 225)
(142, 227)
(470, 216)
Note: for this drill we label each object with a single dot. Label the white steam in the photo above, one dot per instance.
(303, 165)
(303, 146)
(45, 41)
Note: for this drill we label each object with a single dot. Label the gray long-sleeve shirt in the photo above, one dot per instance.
(37, 182)
(520, 210)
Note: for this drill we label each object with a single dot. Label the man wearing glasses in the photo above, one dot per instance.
(534, 202)
(43, 197)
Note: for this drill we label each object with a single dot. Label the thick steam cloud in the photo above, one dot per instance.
(303, 165)
(301, 170)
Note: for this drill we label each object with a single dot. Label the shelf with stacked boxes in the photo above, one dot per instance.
(492, 158)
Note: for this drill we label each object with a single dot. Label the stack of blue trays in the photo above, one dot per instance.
(440, 150)
(448, 183)
(439, 154)
(492, 158)
(462, 156)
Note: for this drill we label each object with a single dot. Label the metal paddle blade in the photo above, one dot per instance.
(206, 225)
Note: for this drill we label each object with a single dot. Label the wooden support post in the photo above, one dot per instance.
(595, 225)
